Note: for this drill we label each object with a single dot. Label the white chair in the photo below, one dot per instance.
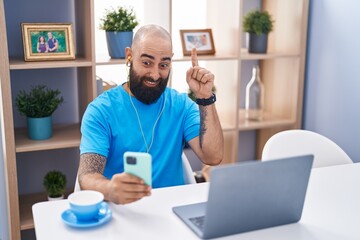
(300, 142)
(189, 177)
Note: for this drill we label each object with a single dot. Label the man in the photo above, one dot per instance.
(53, 43)
(144, 115)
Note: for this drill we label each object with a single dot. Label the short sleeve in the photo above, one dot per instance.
(95, 132)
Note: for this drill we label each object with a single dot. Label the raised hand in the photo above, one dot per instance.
(200, 80)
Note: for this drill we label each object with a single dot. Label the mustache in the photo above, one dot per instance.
(149, 79)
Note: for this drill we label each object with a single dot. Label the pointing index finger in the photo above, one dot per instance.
(194, 59)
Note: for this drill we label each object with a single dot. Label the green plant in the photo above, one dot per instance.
(257, 22)
(55, 183)
(119, 20)
(39, 102)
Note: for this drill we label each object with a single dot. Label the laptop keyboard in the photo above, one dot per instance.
(198, 221)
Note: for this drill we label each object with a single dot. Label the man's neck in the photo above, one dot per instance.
(126, 88)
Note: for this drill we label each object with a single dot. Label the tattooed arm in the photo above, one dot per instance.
(209, 146)
(122, 188)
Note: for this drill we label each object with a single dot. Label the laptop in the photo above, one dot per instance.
(250, 195)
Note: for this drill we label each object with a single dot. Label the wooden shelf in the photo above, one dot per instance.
(267, 122)
(25, 205)
(245, 125)
(106, 60)
(252, 56)
(227, 121)
(64, 136)
(227, 127)
(20, 64)
(216, 57)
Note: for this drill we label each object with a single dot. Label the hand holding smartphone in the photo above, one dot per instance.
(139, 164)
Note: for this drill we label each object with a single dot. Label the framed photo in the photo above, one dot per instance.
(201, 39)
(48, 41)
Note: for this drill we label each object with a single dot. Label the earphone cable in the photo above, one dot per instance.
(139, 122)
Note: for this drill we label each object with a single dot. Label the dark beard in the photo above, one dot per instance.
(143, 93)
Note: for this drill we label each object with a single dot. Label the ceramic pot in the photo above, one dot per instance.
(117, 42)
(258, 43)
(39, 128)
(55, 198)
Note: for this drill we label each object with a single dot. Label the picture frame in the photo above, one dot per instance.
(48, 41)
(201, 39)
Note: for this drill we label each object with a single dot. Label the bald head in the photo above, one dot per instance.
(150, 33)
(149, 59)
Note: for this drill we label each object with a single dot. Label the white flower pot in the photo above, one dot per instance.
(57, 198)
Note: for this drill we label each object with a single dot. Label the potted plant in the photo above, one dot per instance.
(55, 183)
(258, 24)
(119, 25)
(38, 106)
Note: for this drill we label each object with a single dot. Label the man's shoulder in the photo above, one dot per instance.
(179, 99)
(107, 98)
(173, 93)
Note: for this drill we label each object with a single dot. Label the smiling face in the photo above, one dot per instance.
(41, 39)
(146, 89)
(151, 55)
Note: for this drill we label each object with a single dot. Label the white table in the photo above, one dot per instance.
(331, 212)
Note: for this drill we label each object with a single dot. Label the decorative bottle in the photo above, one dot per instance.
(254, 100)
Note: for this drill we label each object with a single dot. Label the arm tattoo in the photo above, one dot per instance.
(91, 163)
(203, 115)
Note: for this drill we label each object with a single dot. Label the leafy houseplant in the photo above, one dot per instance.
(55, 183)
(258, 24)
(119, 20)
(38, 105)
(119, 25)
(39, 102)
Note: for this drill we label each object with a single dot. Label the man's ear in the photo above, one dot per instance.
(128, 53)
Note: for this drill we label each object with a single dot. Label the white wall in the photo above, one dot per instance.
(332, 90)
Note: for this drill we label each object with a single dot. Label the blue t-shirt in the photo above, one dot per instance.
(110, 128)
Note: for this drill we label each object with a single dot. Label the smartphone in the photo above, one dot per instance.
(138, 164)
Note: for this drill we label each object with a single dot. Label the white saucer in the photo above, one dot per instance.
(69, 218)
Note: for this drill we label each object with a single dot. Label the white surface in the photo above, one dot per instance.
(297, 142)
(188, 172)
(331, 212)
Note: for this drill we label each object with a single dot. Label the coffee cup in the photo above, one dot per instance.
(86, 204)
